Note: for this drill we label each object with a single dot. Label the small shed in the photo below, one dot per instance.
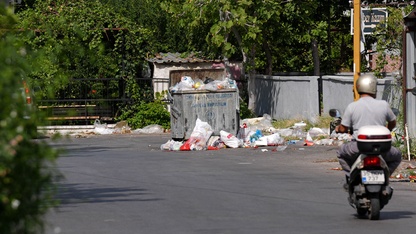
(168, 68)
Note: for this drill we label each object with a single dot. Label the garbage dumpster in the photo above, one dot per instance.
(219, 108)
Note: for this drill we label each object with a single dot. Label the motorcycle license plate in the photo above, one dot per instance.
(372, 177)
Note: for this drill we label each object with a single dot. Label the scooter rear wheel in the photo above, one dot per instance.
(374, 211)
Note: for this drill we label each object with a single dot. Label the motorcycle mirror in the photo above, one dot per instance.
(334, 113)
(395, 111)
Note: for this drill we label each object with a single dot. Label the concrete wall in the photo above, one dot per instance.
(337, 92)
(411, 82)
(285, 97)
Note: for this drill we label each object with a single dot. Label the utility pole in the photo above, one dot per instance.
(357, 45)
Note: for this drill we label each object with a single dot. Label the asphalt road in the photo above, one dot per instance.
(126, 184)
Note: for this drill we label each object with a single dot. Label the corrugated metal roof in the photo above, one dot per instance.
(180, 58)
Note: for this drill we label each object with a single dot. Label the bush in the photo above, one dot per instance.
(145, 113)
(150, 113)
(26, 165)
(245, 113)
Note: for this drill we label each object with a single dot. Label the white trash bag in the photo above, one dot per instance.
(230, 140)
(101, 128)
(199, 136)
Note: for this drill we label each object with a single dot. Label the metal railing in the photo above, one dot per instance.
(87, 99)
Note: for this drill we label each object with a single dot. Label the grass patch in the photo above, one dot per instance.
(321, 122)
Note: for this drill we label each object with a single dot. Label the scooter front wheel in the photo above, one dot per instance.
(374, 211)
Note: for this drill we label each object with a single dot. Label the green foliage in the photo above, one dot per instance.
(144, 113)
(26, 166)
(389, 39)
(245, 112)
(81, 39)
(266, 34)
(270, 36)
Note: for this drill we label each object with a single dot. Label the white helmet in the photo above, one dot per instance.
(366, 84)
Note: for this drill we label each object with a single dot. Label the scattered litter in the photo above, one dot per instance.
(300, 125)
(285, 132)
(308, 143)
(292, 142)
(199, 136)
(244, 133)
(151, 129)
(102, 129)
(230, 140)
(171, 145)
(260, 123)
(308, 140)
(281, 147)
(325, 142)
(269, 140)
(212, 148)
(121, 128)
(315, 132)
(341, 136)
(264, 150)
(215, 143)
(254, 136)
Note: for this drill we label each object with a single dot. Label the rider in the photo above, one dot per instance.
(366, 111)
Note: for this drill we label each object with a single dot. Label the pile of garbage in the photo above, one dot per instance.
(254, 132)
(187, 83)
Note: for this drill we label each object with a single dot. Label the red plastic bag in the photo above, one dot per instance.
(185, 147)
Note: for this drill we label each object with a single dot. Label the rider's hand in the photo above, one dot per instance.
(341, 129)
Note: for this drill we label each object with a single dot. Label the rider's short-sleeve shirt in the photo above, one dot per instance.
(367, 111)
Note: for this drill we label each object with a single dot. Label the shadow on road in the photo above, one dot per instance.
(70, 194)
(392, 215)
(397, 215)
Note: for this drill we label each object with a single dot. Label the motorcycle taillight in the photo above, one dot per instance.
(374, 137)
(372, 161)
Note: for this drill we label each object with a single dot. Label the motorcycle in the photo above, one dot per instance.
(368, 183)
(334, 113)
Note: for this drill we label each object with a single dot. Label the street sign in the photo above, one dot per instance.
(370, 17)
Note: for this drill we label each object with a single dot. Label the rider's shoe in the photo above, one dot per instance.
(388, 192)
(345, 185)
(386, 195)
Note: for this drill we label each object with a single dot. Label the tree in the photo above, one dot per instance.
(82, 39)
(388, 38)
(268, 35)
(27, 173)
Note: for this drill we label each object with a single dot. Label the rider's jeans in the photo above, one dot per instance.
(348, 153)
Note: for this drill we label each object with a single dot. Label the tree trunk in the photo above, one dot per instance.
(240, 43)
(251, 82)
(269, 63)
(315, 54)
